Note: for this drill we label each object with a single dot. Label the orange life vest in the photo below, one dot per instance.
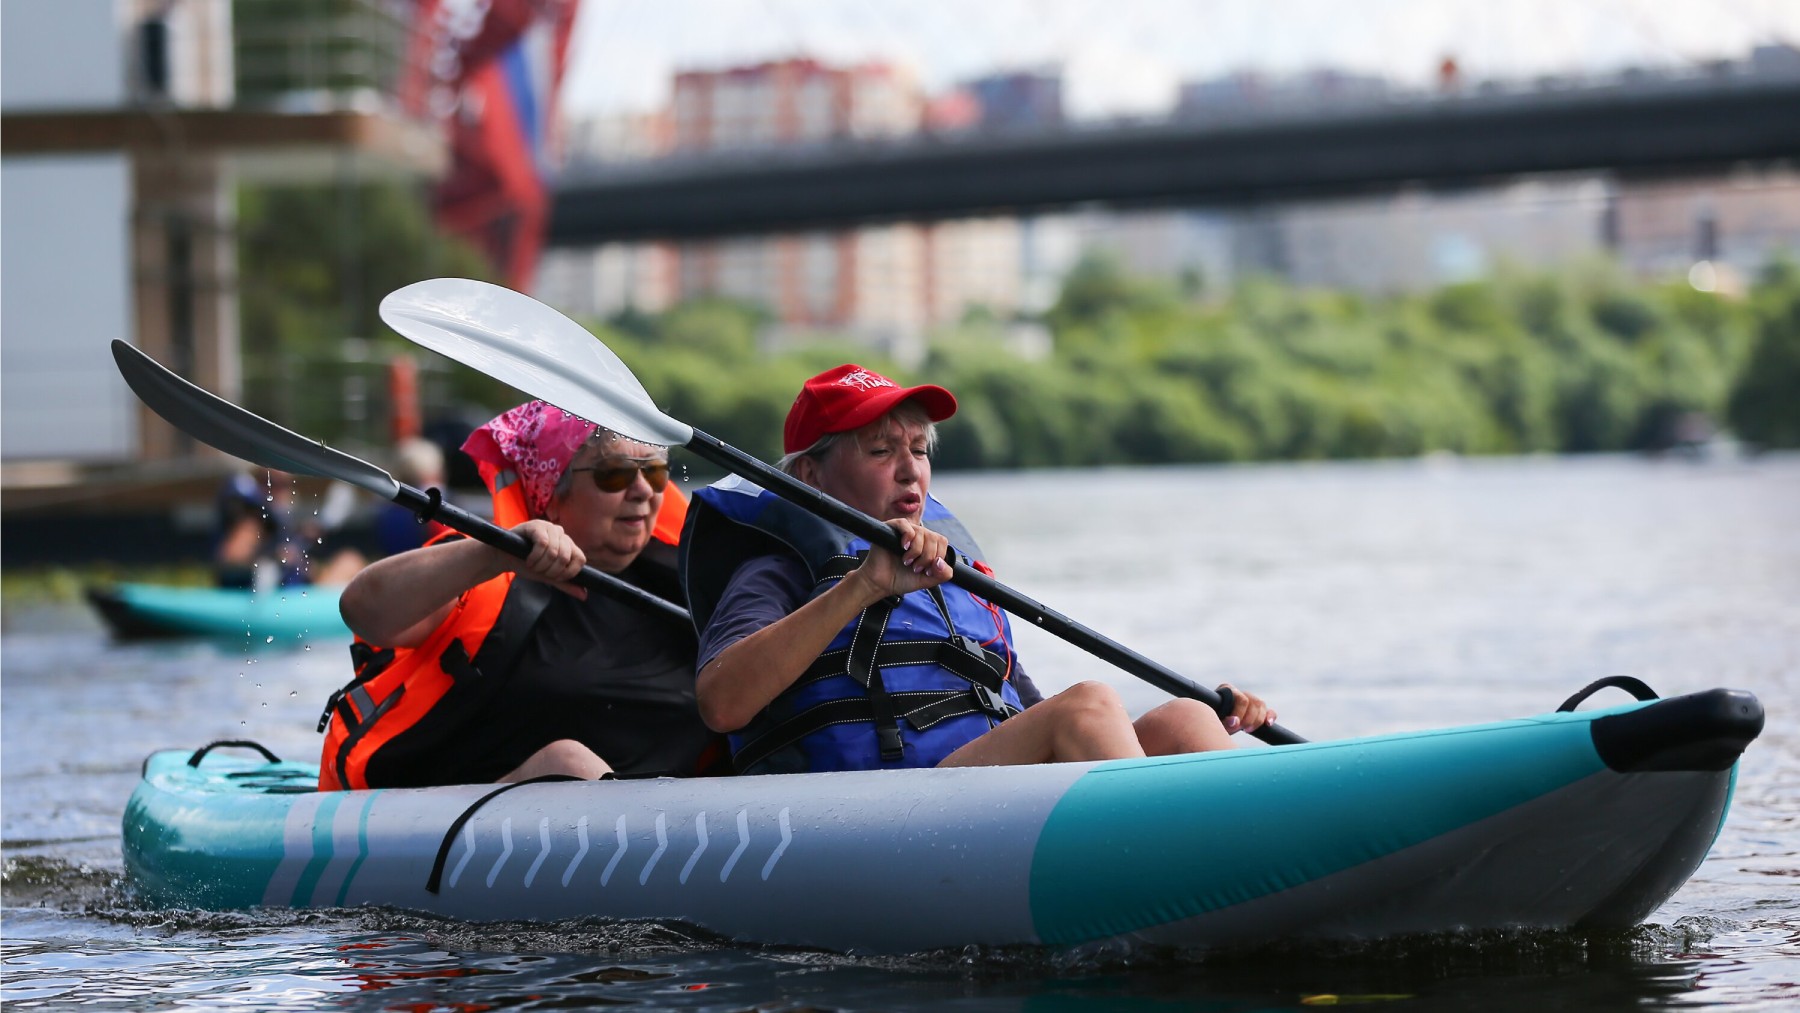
(394, 688)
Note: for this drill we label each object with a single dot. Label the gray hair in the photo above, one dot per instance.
(566, 482)
(907, 413)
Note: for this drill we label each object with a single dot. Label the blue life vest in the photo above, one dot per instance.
(903, 685)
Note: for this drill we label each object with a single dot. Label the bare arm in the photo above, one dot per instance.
(242, 538)
(398, 601)
(741, 681)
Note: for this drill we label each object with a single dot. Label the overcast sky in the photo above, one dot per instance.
(1126, 56)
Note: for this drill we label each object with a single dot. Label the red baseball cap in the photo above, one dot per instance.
(849, 397)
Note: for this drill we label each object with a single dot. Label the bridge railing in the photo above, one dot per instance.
(1286, 106)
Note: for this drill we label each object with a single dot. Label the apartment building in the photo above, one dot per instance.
(886, 285)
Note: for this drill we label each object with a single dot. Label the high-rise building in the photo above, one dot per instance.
(887, 285)
(884, 285)
(1026, 99)
(1720, 232)
(603, 281)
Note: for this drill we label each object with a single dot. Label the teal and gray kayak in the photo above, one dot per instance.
(1587, 818)
(287, 616)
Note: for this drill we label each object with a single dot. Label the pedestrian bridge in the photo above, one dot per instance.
(1659, 127)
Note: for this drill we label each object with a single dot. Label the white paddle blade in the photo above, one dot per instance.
(527, 345)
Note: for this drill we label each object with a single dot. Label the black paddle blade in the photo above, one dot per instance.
(219, 423)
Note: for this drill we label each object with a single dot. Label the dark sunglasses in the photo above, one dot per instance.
(619, 478)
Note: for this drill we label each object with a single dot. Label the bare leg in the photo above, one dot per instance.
(1181, 726)
(1084, 722)
(564, 756)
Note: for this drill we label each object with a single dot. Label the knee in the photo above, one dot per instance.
(569, 756)
(1091, 695)
(1092, 706)
(1185, 713)
(1182, 726)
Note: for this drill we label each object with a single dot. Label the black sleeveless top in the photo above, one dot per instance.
(617, 677)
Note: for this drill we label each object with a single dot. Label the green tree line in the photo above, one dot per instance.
(1573, 360)
(1576, 359)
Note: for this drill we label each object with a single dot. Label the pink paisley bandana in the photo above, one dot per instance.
(536, 441)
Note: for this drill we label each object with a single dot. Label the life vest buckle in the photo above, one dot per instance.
(991, 702)
(969, 645)
(888, 736)
(330, 705)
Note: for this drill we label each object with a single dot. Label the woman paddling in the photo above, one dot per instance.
(468, 674)
(819, 652)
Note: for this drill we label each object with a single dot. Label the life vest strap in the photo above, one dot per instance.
(368, 661)
(961, 654)
(865, 643)
(868, 653)
(919, 708)
(838, 567)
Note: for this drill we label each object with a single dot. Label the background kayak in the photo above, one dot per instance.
(289, 616)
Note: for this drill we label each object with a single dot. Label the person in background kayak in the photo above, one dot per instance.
(418, 462)
(263, 543)
(819, 652)
(467, 673)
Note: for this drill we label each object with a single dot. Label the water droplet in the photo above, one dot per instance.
(293, 692)
(308, 647)
(269, 639)
(243, 724)
(265, 703)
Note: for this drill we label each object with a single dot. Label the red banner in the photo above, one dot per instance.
(491, 70)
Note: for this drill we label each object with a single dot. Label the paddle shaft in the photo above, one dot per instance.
(970, 579)
(431, 506)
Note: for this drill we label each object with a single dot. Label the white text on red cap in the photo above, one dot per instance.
(866, 380)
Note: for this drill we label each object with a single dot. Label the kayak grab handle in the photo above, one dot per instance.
(1629, 683)
(1699, 731)
(200, 754)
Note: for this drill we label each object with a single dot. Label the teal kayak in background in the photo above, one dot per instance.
(1571, 819)
(282, 617)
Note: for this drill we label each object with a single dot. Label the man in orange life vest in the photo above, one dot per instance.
(468, 673)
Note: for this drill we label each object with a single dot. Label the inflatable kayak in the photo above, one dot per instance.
(288, 615)
(1586, 818)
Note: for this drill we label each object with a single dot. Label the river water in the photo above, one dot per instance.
(1357, 598)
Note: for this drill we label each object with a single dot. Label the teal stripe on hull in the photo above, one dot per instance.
(323, 819)
(1296, 814)
(362, 846)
